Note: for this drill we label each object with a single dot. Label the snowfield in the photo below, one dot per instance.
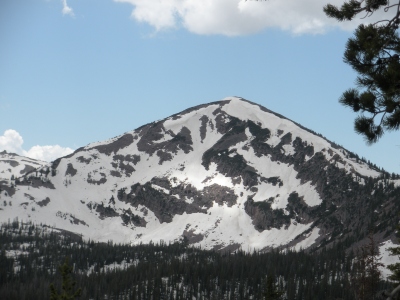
(77, 195)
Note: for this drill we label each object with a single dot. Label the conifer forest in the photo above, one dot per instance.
(173, 271)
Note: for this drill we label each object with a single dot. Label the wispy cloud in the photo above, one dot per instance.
(66, 9)
(12, 141)
(237, 17)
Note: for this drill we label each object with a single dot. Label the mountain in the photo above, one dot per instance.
(224, 175)
(14, 164)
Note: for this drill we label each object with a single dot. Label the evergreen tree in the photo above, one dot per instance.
(368, 275)
(271, 291)
(395, 269)
(68, 285)
(373, 53)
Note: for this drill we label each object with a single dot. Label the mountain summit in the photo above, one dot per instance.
(225, 175)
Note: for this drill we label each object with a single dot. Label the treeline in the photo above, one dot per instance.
(30, 256)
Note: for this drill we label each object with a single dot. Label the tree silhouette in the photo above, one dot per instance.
(68, 285)
(373, 53)
(368, 275)
(271, 291)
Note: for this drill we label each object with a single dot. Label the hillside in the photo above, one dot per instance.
(224, 175)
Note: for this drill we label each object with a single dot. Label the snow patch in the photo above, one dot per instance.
(387, 259)
(309, 240)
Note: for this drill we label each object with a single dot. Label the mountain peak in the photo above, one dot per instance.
(228, 174)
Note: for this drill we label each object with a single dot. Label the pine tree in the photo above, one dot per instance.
(271, 292)
(395, 269)
(68, 285)
(368, 275)
(373, 53)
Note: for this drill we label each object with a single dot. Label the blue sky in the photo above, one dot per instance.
(79, 71)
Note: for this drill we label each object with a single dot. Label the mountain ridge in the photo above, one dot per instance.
(12, 164)
(224, 175)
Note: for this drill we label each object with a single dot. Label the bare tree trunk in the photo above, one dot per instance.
(393, 293)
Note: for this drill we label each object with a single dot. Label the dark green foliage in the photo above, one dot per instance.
(395, 269)
(373, 53)
(160, 271)
(271, 290)
(366, 279)
(68, 285)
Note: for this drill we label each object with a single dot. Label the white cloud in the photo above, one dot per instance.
(66, 9)
(12, 141)
(237, 17)
(47, 153)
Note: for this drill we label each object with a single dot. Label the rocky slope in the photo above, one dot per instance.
(223, 175)
(12, 164)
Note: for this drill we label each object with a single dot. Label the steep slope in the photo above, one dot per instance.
(226, 175)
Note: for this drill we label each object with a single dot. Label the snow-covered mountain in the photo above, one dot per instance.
(14, 164)
(224, 175)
